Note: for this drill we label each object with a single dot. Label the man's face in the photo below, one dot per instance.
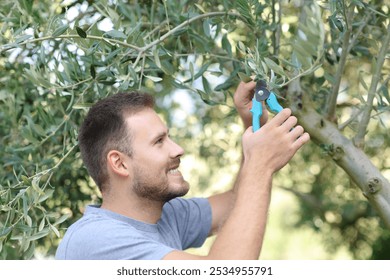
(155, 159)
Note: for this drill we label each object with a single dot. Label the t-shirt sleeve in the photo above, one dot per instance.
(192, 218)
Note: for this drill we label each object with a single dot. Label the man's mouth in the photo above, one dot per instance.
(173, 171)
(173, 168)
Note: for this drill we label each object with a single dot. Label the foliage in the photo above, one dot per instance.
(59, 57)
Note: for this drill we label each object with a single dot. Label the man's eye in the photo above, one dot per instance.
(159, 141)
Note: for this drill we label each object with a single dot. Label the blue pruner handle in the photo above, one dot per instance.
(273, 103)
(257, 111)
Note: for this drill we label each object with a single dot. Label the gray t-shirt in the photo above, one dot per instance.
(102, 234)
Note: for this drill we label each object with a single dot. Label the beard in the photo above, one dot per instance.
(154, 188)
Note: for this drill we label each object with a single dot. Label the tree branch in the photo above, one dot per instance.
(332, 101)
(276, 34)
(357, 33)
(46, 171)
(359, 138)
(185, 23)
(70, 36)
(177, 28)
(350, 120)
(374, 186)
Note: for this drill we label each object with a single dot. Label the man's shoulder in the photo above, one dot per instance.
(100, 223)
(99, 236)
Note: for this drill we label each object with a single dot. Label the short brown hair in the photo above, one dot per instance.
(104, 129)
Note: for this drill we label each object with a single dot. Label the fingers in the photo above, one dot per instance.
(244, 94)
(281, 117)
(296, 132)
(244, 89)
(248, 86)
(285, 120)
(303, 139)
(288, 123)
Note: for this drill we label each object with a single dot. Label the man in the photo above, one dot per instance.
(127, 151)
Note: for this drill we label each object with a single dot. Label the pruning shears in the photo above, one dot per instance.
(263, 94)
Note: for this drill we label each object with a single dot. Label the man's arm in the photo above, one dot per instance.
(265, 152)
(222, 204)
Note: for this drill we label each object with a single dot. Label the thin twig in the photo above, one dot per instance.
(357, 33)
(332, 101)
(180, 26)
(276, 35)
(350, 120)
(185, 23)
(359, 138)
(222, 56)
(71, 36)
(67, 116)
(166, 12)
(304, 73)
(157, 28)
(46, 171)
(142, 73)
(74, 85)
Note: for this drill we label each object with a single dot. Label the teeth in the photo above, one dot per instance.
(173, 171)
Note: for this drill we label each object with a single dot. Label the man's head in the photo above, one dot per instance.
(105, 129)
(123, 138)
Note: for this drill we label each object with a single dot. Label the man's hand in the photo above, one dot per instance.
(271, 147)
(243, 102)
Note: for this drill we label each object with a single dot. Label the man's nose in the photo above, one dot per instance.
(177, 150)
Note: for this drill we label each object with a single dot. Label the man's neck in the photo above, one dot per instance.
(138, 209)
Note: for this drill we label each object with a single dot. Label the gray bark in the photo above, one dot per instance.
(374, 186)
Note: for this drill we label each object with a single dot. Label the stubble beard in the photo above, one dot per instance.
(156, 190)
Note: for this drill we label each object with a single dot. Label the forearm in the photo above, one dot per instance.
(223, 203)
(242, 234)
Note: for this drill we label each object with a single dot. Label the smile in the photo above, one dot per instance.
(173, 171)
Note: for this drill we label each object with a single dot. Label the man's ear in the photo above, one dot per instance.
(117, 164)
